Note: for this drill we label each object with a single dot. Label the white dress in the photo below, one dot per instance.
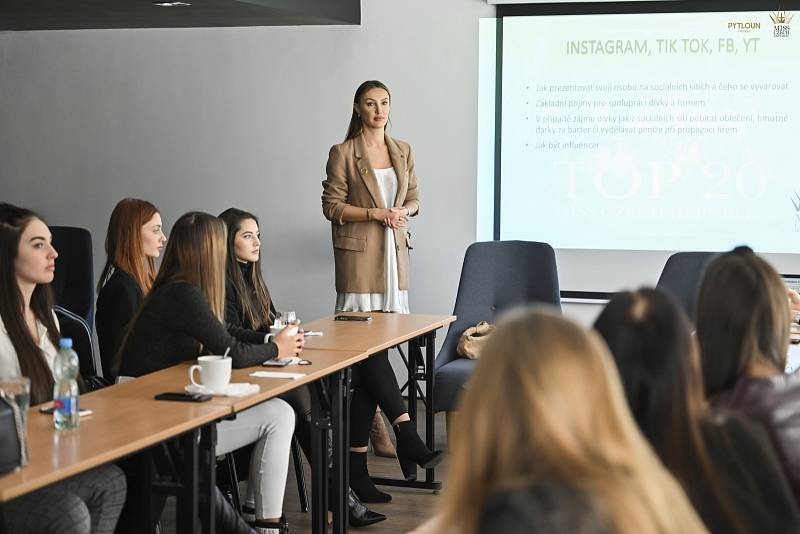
(393, 299)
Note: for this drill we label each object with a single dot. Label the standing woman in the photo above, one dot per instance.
(368, 195)
(91, 501)
(134, 240)
(182, 318)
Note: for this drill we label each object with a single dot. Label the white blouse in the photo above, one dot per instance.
(9, 363)
(393, 299)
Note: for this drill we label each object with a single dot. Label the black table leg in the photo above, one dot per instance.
(208, 477)
(430, 427)
(187, 505)
(320, 425)
(340, 409)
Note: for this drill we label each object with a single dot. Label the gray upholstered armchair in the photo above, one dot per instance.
(496, 275)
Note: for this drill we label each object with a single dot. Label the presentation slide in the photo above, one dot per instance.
(668, 131)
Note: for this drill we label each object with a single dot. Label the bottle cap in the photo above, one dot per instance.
(65, 343)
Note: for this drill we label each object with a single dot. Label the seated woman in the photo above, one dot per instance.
(725, 463)
(743, 332)
(180, 319)
(91, 501)
(134, 240)
(249, 312)
(565, 455)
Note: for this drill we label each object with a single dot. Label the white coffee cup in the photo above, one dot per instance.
(215, 373)
(276, 329)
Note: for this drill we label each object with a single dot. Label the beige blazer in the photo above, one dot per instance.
(358, 247)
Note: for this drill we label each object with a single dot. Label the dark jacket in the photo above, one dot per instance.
(749, 474)
(174, 322)
(545, 507)
(234, 316)
(774, 403)
(117, 303)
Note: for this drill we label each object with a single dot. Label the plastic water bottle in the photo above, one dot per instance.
(65, 393)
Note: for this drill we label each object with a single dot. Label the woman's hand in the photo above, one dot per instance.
(289, 345)
(391, 217)
(396, 218)
(794, 301)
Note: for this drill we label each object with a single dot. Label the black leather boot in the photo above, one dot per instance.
(412, 451)
(281, 527)
(228, 520)
(359, 515)
(360, 481)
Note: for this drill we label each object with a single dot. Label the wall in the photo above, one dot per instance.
(211, 118)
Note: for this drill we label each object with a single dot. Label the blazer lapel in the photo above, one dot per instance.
(366, 171)
(400, 169)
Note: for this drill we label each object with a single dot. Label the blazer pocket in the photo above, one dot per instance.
(409, 244)
(346, 242)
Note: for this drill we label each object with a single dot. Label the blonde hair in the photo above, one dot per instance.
(196, 253)
(546, 402)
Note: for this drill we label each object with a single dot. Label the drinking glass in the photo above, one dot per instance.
(16, 390)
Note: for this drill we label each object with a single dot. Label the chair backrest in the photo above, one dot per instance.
(73, 326)
(496, 276)
(73, 284)
(681, 277)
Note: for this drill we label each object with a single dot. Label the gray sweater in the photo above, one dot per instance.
(175, 320)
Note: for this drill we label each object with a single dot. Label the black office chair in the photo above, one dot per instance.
(496, 275)
(73, 284)
(73, 326)
(682, 275)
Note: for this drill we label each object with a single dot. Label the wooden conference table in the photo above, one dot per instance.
(127, 419)
(115, 430)
(384, 331)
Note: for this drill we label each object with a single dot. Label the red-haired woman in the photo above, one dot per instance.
(133, 242)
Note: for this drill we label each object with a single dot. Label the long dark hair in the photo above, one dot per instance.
(742, 314)
(253, 295)
(13, 222)
(651, 341)
(124, 249)
(355, 121)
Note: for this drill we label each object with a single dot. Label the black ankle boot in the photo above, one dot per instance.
(358, 513)
(228, 520)
(281, 527)
(412, 451)
(360, 481)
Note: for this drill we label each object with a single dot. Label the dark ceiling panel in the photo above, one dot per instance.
(97, 14)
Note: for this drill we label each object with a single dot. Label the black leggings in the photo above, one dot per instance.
(374, 385)
(300, 401)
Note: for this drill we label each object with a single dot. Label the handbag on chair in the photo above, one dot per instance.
(474, 339)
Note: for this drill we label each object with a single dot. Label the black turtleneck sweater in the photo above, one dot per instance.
(238, 327)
